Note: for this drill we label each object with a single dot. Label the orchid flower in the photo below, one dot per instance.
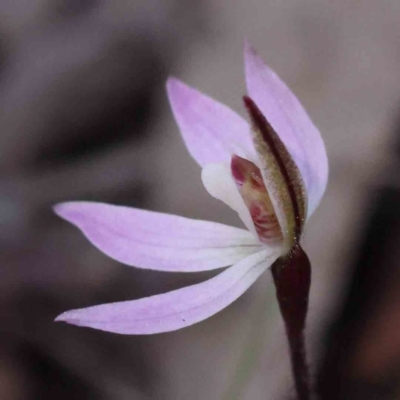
(272, 173)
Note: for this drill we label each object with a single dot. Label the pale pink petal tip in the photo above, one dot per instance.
(249, 48)
(211, 131)
(177, 309)
(61, 318)
(164, 242)
(289, 119)
(57, 208)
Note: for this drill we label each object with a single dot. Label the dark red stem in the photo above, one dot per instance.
(292, 277)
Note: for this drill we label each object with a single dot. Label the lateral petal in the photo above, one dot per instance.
(177, 309)
(158, 241)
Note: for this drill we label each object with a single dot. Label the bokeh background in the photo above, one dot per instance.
(84, 116)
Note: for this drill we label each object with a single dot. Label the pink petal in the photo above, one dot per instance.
(177, 309)
(164, 242)
(289, 119)
(211, 131)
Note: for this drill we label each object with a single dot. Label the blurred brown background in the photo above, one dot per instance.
(84, 116)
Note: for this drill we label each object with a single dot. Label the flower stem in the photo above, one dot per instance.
(292, 277)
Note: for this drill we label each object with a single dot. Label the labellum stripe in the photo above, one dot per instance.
(251, 186)
(267, 141)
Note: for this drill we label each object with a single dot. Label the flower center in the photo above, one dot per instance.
(254, 193)
(286, 189)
